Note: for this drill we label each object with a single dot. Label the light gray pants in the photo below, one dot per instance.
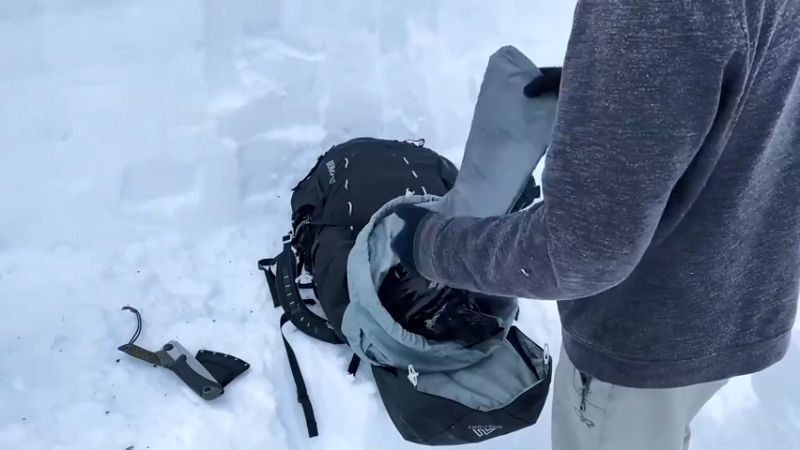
(589, 414)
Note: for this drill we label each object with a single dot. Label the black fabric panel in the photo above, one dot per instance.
(448, 172)
(307, 195)
(368, 173)
(330, 273)
(429, 420)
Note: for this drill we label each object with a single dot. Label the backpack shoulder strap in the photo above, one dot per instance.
(284, 292)
(283, 288)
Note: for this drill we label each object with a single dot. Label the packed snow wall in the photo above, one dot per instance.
(125, 118)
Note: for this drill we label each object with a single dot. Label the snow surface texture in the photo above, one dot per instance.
(149, 149)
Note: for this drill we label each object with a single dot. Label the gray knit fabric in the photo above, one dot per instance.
(670, 226)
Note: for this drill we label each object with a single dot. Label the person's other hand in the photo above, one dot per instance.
(403, 241)
(548, 82)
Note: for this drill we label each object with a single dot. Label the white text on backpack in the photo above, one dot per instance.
(484, 430)
(331, 171)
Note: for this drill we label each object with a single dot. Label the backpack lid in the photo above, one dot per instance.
(372, 332)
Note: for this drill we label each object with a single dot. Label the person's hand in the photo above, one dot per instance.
(548, 82)
(403, 241)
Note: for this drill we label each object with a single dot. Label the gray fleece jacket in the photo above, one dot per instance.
(670, 226)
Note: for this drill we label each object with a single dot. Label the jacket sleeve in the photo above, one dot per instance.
(642, 83)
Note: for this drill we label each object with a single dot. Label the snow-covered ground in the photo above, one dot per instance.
(148, 148)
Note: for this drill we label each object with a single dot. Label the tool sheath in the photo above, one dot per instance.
(205, 388)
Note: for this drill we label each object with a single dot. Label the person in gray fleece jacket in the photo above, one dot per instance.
(669, 232)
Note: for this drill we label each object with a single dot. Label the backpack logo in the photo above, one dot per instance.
(331, 171)
(484, 430)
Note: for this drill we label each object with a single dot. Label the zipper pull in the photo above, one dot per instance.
(412, 375)
(587, 381)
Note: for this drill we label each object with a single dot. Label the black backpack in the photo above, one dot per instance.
(368, 173)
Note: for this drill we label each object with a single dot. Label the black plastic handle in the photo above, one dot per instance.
(205, 388)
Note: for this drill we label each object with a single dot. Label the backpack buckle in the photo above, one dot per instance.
(303, 223)
(412, 375)
(304, 278)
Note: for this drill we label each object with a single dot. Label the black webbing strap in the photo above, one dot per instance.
(285, 294)
(306, 286)
(353, 367)
(264, 265)
(299, 382)
(302, 393)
